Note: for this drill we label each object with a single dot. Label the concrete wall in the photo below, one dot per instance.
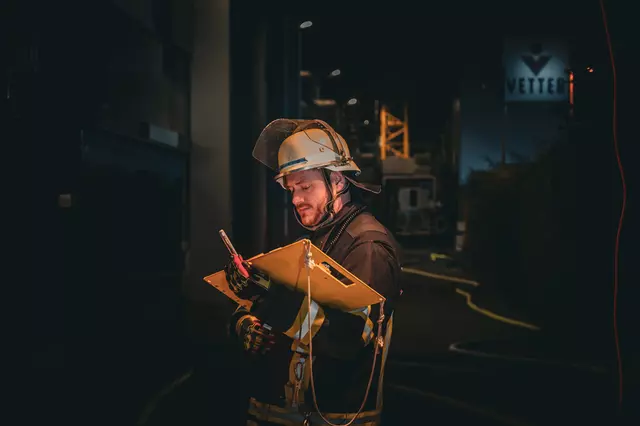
(146, 66)
(210, 186)
(248, 116)
(109, 313)
(172, 18)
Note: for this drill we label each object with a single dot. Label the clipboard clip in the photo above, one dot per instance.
(308, 256)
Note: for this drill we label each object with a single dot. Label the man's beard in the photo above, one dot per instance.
(309, 216)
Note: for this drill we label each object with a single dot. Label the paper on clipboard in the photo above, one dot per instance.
(286, 266)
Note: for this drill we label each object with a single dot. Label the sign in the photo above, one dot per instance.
(535, 71)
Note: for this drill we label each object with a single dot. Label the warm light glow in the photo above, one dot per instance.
(571, 88)
(456, 105)
(324, 102)
(352, 101)
(335, 73)
(589, 69)
(305, 73)
(306, 24)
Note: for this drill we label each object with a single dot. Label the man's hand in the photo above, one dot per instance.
(256, 338)
(245, 281)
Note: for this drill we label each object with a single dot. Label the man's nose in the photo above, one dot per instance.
(296, 199)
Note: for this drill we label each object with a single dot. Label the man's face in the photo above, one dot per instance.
(310, 195)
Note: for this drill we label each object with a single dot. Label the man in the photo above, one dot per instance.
(314, 164)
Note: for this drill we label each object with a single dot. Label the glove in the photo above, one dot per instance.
(245, 281)
(256, 337)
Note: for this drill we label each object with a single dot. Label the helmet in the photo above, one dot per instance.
(287, 146)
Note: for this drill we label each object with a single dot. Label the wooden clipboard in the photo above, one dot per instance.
(286, 266)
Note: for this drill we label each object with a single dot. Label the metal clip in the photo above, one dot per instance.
(308, 258)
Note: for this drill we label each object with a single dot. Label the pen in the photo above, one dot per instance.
(237, 259)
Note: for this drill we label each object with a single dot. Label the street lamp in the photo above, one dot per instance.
(352, 101)
(335, 73)
(306, 24)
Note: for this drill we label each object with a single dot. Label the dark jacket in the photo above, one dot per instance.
(343, 342)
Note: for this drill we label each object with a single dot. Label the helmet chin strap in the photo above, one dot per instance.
(328, 211)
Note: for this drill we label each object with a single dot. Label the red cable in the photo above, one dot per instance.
(624, 204)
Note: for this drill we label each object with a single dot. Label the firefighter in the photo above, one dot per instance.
(313, 162)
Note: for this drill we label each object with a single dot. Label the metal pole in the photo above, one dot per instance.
(503, 141)
(286, 53)
(571, 87)
(383, 133)
(299, 73)
(405, 139)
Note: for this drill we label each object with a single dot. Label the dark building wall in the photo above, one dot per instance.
(210, 185)
(534, 233)
(110, 320)
(139, 67)
(481, 126)
(282, 96)
(525, 129)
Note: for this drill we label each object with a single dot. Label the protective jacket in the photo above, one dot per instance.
(343, 342)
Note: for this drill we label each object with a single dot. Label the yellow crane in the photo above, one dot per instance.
(392, 127)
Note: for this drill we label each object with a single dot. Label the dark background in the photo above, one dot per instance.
(124, 310)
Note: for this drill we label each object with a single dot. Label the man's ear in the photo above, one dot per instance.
(338, 180)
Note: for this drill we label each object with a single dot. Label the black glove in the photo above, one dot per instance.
(254, 335)
(248, 287)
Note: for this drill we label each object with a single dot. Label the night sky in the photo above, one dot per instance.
(418, 51)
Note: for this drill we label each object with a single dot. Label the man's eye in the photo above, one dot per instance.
(305, 187)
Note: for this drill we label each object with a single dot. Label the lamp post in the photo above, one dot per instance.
(304, 25)
(318, 83)
(342, 111)
(339, 108)
(301, 27)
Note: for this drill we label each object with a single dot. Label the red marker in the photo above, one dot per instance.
(237, 259)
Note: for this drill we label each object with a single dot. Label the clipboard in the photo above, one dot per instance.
(331, 284)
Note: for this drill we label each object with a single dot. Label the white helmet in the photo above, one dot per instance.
(287, 146)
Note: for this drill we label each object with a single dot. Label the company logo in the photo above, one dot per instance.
(534, 73)
(535, 61)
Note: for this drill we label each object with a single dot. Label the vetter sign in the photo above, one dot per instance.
(535, 71)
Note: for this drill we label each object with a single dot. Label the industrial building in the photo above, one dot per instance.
(513, 114)
(141, 118)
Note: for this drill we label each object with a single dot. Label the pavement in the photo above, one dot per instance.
(484, 330)
(451, 361)
(459, 355)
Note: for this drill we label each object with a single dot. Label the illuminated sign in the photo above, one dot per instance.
(535, 71)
